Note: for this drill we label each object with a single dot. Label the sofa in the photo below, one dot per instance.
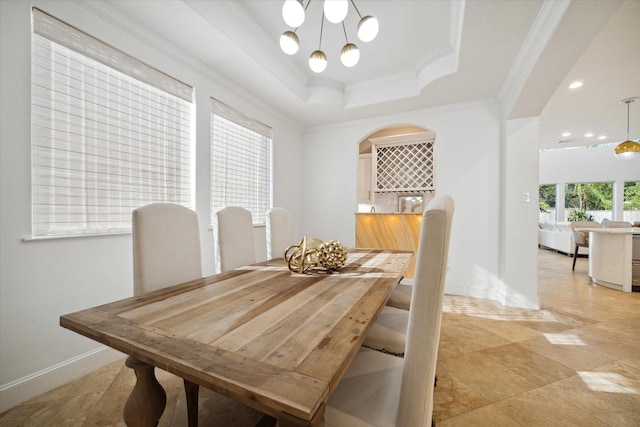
(557, 236)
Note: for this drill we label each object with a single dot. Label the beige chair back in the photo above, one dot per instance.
(425, 316)
(166, 246)
(279, 232)
(581, 238)
(233, 238)
(617, 224)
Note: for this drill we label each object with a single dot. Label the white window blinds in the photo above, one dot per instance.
(240, 162)
(109, 134)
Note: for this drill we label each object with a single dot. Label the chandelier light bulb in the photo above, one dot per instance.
(293, 13)
(289, 42)
(350, 55)
(368, 28)
(317, 61)
(336, 10)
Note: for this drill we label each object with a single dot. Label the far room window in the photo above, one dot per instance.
(547, 202)
(631, 203)
(108, 134)
(591, 201)
(240, 162)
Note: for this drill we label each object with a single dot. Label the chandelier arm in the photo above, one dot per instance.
(355, 7)
(345, 32)
(321, 28)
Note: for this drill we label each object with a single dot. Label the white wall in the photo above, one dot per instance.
(41, 280)
(467, 167)
(520, 207)
(593, 164)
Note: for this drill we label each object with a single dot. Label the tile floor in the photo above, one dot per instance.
(576, 361)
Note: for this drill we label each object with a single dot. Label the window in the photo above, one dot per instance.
(547, 202)
(109, 134)
(240, 162)
(588, 201)
(631, 203)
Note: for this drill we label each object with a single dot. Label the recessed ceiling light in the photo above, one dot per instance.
(602, 137)
(566, 134)
(588, 135)
(575, 85)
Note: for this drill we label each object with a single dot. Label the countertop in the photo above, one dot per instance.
(388, 213)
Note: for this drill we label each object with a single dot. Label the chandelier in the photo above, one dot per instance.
(627, 149)
(293, 12)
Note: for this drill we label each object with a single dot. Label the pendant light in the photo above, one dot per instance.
(318, 60)
(350, 55)
(293, 13)
(336, 10)
(289, 42)
(367, 27)
(628, 149)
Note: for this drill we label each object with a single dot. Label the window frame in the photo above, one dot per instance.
(97, 117)
(232, 130)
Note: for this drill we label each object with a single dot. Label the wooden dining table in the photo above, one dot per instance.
(275, 340)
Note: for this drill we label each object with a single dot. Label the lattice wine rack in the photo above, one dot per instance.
(404, 168)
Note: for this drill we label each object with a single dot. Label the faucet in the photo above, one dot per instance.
(373, 209)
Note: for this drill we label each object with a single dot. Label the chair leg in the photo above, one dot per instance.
(575, 255)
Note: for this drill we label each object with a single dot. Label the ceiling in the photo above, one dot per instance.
(428, 54)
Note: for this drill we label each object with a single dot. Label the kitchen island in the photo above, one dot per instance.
(614, 257)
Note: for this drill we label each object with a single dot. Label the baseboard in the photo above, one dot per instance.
(503, 296)
(514, 299)
(33, 385)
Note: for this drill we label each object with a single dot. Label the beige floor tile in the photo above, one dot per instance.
(482, 374)
(542, 408)
(487, 416)
(550, 320)
(610, 393)
(108, 411)
(537, 369)
(566, 348)
(512, 332)
(461, 336)
(452, 397)
(634, 362)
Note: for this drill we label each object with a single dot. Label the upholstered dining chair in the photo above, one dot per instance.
(581, 238)
(279, 231)
(166, 251)
(617, 224)
(401, 295)
(166, 246)
(379, 389)
(233, 238)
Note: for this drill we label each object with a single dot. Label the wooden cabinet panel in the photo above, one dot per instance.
(390, 231)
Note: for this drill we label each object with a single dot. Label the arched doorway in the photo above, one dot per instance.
(415, 159)
(396, 180)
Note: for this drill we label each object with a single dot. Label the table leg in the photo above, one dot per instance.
(191, 391)
(147, 400)
(286, 420)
